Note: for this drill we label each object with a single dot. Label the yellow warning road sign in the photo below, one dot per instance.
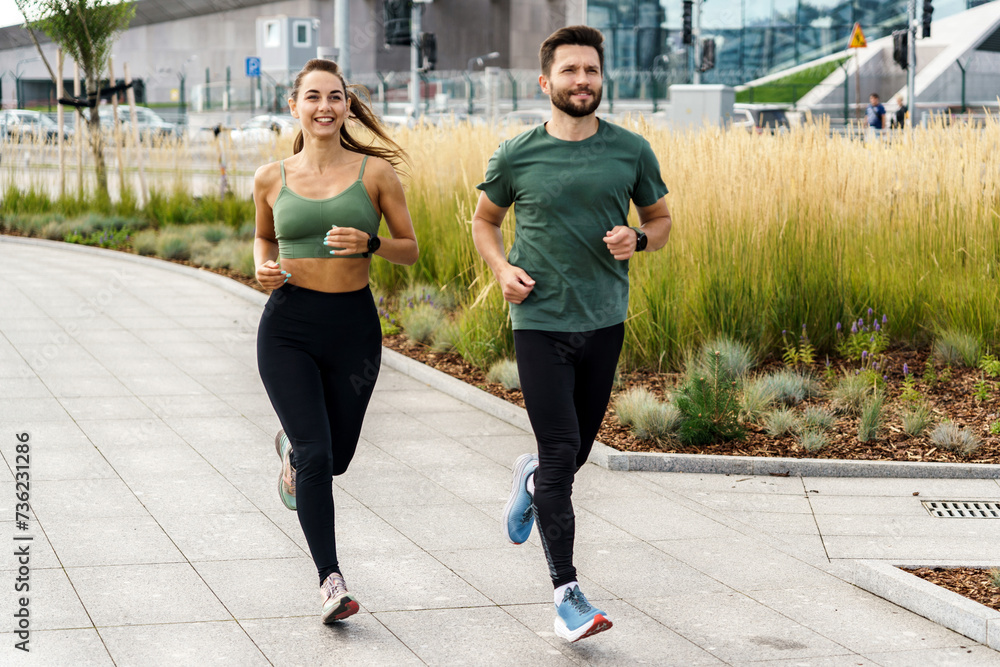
(857, 38)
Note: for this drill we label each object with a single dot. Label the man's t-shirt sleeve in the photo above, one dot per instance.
(649, 186)
(497, 184)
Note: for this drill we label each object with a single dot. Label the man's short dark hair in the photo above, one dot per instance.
(875, 95)
(574, 35)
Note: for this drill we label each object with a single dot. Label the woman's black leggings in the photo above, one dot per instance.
(318, 354)
(566, 379)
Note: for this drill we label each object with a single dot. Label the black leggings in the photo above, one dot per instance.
(566, 379)
(318, 354)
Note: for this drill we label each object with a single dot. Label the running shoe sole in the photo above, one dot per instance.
(519, 465)
(348, 607)
(598, 624)
(286, 500)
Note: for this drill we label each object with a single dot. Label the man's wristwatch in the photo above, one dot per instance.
(374, 243)
(640, 239)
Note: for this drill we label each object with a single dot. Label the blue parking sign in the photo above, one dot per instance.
(253, 67)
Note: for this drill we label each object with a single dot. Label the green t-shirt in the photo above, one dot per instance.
(566, 196)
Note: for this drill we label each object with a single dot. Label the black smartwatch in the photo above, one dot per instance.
(374, 243)
(640, 239)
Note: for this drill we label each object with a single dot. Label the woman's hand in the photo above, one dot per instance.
(270, 275)
(346, 241)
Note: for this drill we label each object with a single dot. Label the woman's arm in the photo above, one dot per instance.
(265, 245)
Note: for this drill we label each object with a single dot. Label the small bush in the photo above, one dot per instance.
(708, 407)
(429, 294)
(755, 398)
(850, 394)
(871, 418)
(954, 439)
(171, 245)
(916, 419)
(630, 403)
(995, 577)
(505, 372)
(735, 358)
(215, 233)
(781, 422)
(421, 322)
(956, 348)
(790, 387)
(813, 441)
(444, 338)
(816, 418)
(658, 422)
(144, 242)
(486, 332)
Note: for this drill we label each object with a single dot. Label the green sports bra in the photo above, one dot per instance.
(301, 224)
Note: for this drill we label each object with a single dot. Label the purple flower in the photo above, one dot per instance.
(784, 332)
(838, 326)
(875, 365)
(854, 328)
(885, 377)
(864, 354)
(870, 312)
(885, 320)
(877, 327)
(906, 370)
(872, 339)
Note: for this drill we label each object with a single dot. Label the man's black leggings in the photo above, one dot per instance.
(566, 379)
(318, 354)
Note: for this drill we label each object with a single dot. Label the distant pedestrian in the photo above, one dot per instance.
(899, 118)
(875, 113)
(571, 181)
(319, 342)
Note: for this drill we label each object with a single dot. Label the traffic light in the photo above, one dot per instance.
(429, 49)
(926, 20)
(900, 48)
(707, 55)
(396, 19)
(686, 24)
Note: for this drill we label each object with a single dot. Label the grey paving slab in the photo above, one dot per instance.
(466, 422)
(221, 643)
(926, 488)
(302, 642)
(52, 602)
(960, 656)
(659, 644)
(227, 536)
(502, 449)
(42, 554)
(194, 496)
(191, 407)
(90, 406)
(915, 526)
(486, 636)
(22, 387)
(32, 410)
(123, 540)
(734, 627)
(264, 588)
(910, 549)
(753, 502)
(83, 648)
(671, 522)
(69, 500)
(777, 523)
(145, 594)
(441, 527)
(844, 660)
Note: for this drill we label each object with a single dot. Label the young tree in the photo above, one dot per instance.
(86, 30)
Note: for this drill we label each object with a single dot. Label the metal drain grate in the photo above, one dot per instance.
(963, 509)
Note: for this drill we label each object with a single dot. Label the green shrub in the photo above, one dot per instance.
(817, 418)
(871, 418)
(736, 358)
(850, 393)
(708, 407)
(995, 577)
(957, 348)
(756, 397)
(215, 233)
(486, 335)
(144, 242)
(916, 418)
(421, 322)
(420, 293)
(173, 245)
(446, 335)
(781, 422)
(630, 403)
(656, 422)
(789, 387)
(813, 441)
(954, 439)
(505, 372)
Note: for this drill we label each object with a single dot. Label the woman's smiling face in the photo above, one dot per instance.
(321, 105)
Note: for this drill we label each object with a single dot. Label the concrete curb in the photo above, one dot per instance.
(602, 455)
(953, 611)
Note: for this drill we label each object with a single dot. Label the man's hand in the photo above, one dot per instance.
(516, 284)
(621, 242)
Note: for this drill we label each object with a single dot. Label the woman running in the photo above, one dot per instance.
(319, 341)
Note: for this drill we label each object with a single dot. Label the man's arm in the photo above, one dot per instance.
(654, 220)
(486, 234)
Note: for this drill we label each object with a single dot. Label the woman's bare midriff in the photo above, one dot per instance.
(328, 275)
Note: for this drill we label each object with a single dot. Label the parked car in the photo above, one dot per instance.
(21, 125)
(264, 128)
(151, 126)
(760, 117)
(526, 117)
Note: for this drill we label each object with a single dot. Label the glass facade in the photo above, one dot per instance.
(753, 37)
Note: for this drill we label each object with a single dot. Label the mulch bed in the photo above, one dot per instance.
(969, 582)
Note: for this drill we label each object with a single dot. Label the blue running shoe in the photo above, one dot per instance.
(576, 618)
(286, 479)
(518, 517)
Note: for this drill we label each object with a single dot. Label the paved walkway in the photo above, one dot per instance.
(159, 538)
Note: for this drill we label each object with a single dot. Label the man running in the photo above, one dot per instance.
(567, 282)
